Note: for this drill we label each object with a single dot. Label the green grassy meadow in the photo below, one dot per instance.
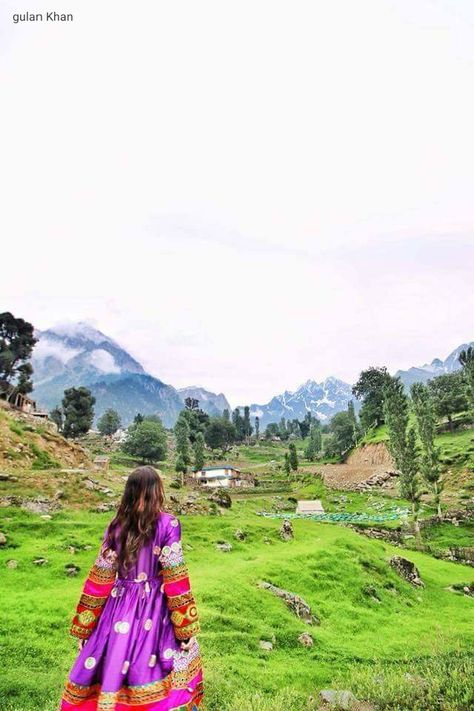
(375, 628)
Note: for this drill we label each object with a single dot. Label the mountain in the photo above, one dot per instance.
(78, 354)
(209, 402)
(323, 400)
(423, 373)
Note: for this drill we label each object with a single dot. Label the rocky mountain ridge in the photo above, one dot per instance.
(78, 354)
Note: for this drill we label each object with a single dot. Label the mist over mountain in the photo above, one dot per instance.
(76, 354)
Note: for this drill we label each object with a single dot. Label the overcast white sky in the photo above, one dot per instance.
(244, 194)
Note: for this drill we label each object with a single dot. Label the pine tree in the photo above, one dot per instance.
(238, 422)
(283, 430)
(247, 427)
(257, 427)
(109, 423)
(16, 346)
(183, 459)
(199, 451)
(409, 477)
(286, 464)
(402, 443)
(293, 456)
(424, 410)
(78, 411)
(315, 442)
(466, 358)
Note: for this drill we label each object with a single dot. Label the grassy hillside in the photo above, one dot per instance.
(27, 443)
(396, 647)
(370, 618)
(457, 448)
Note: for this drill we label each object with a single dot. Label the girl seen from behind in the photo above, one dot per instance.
(136, 618)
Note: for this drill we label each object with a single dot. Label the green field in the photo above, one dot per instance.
(394, 646)
(375, 628)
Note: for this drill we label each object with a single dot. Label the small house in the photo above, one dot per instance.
(28, 406)
(225, 475)
(309, 507)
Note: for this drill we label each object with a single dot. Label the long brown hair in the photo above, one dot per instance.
(135, 521)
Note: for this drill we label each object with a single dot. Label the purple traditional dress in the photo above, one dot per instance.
(134, 626)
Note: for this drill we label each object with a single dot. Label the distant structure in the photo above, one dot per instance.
(225, 475)
(27, 405)
(309, 507)
(119, 436)
(101, 463)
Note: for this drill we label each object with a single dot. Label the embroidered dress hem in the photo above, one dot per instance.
(129, 697)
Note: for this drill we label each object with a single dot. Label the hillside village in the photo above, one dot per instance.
(308, 514)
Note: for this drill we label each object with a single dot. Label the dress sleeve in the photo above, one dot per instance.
(96, 590)
(177, 587)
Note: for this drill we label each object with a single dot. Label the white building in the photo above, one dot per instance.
(310, 507)
(225, 475)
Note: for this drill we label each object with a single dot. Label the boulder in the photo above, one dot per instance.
(340, 699)
(224, 546)
(294, 602)
(40, 505)
(3, 539)
(305, 639)
(221, 498)
(103, 508)
(40, 561)
(240, 535)
(7, 477)
(286, 531)
(12, 564)
(71, 570)
(407, 570)
(264, 644)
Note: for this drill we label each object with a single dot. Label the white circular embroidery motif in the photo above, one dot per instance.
(121, 627)
(152, 661)
(114, 592)
(156, 550)
(142, 576)
(168, 653)
(90, 663)
(176, 547)
(148, 625)
(174, 522)
(125, 667)
(166, 550)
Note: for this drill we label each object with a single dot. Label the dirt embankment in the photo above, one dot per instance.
(364, 465)
(371, 455)
(26, 442)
